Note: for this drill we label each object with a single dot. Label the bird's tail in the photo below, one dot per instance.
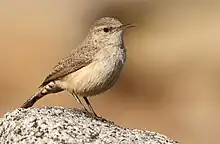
(32, 100)
(47, 89)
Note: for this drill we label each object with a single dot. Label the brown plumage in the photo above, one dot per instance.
(68, 65)
(93, 67)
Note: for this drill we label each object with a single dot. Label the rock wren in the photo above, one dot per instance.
(91, 68)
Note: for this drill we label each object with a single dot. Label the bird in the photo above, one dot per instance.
(91, 68)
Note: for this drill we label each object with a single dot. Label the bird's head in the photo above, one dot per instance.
(107, 30)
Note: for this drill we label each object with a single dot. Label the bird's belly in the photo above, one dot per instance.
(95, 78)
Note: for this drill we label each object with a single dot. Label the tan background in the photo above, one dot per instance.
(171, 81)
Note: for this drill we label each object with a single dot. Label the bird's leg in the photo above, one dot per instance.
(90, 106)
(79, 101)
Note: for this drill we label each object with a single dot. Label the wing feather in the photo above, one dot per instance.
(81, 58)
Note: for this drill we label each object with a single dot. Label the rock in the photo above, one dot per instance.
(55, 125)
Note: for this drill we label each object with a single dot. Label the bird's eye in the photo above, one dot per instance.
(106, 30)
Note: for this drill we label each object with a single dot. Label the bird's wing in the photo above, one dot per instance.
(70, 64)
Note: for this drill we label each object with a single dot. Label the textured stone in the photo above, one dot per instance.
(56, 125)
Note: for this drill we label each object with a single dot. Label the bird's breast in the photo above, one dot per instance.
(98, 76)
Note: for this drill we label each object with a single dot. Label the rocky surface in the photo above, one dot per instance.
(56, 125)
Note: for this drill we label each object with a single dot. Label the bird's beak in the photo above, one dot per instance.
(125, 26)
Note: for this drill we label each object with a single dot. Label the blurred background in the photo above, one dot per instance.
(171, 81)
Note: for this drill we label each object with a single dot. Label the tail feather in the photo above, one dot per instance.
(32, 100)
(47, 89)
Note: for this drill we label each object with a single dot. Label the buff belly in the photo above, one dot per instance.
(93, 79)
